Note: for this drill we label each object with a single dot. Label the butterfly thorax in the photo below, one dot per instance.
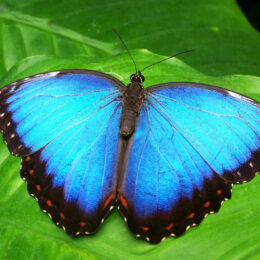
(133, 97)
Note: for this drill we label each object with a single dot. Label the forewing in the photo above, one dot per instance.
(35, 110)
(223, 126)
(190, 145)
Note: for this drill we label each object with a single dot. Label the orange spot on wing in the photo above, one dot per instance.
(38, 187)
(82, 224)
(110, 197)
(31, 172)
(191, 215)
(145, 228)
(169, 226)
(123, 201)
(219, 192)
(27, 158)
(207, 204)
(62, 215)
(49, 203)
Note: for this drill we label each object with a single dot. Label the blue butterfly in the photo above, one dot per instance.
(166, 156)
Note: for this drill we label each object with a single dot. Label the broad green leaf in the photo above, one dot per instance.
(27, 232)
(224, 41)
(38, 36)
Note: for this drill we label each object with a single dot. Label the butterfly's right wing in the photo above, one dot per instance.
(191, 143)
(65, 125)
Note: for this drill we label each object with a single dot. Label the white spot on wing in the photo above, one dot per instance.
(188, 227)
(235, 95)
(53, 74)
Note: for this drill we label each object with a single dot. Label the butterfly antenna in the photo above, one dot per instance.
(165, 59)
(116, 32)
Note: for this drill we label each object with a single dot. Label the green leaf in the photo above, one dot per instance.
(38, 36)
(224, 41)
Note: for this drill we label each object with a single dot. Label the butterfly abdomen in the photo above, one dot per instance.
(128, 122)
(133, 98)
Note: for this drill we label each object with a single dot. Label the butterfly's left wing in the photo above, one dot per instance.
(65, 125)
(191, 143)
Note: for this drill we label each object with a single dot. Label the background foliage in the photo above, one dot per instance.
(38, 36)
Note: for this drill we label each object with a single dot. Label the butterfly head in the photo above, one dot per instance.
(137, 77)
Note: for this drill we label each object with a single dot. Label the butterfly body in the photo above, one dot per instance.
(133, 97)
(165, 156)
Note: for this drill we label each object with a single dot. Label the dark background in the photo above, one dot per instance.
(251, 9)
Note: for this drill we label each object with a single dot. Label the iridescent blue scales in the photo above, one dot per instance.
(191, 143)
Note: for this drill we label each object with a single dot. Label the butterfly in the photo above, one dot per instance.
(166, 156)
